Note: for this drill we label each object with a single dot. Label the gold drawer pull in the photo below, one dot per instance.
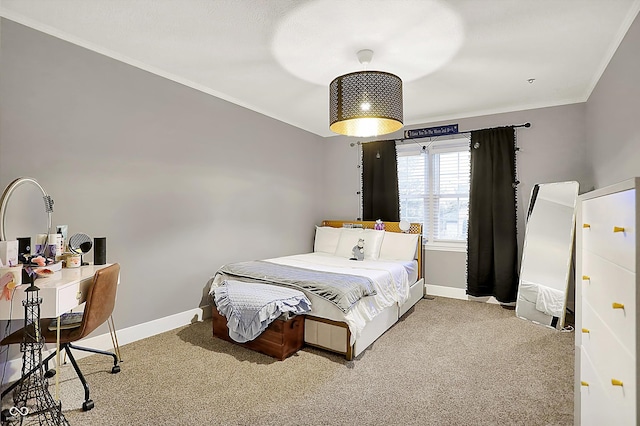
(616, 305)
(585, 330)
(618, 229)
(615, 382)
(586, 278)
(583, 383)
(586, 225)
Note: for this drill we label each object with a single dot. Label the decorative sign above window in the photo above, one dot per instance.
(450, 129)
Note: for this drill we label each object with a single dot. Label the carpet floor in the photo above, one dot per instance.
(446, 362)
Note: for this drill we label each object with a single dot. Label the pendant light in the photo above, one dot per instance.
(365, 103)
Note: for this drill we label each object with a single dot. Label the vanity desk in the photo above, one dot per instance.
(61, 292)
(64, 290)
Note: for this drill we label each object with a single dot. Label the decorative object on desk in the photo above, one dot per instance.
(8, 253)
(100, 250)
(8, 283)
(41, 244)
(80, 244)
(379, 226)
(15, 270)
(64, 231)
(38, 266)
(52, 248)
(37, 260)
(24, 248)
(74, 260)
(44, 272)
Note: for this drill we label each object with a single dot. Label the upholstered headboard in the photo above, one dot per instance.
(415, 228)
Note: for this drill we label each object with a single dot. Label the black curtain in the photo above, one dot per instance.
(380, 196)
(492, 252)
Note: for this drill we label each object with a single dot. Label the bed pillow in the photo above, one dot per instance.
(348, 239)
(326, 239)
(372, 243)
(399, 246)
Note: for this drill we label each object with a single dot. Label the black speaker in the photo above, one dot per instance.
(24, 245)
(100, 250)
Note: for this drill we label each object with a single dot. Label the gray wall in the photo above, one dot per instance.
(551, 150)
(613, 115)
(179, 182)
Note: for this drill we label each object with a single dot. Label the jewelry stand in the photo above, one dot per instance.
(33, 404)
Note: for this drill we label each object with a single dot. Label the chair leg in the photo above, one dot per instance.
(88, 403)
(114, 369)
(114, 337)
(45, 362)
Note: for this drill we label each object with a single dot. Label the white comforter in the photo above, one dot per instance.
(390, 279)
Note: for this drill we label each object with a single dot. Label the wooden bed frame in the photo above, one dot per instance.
(335, 336)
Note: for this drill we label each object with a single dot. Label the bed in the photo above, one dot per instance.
(392, 266)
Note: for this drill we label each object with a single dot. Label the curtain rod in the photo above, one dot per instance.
(527, 124)
(513, 125)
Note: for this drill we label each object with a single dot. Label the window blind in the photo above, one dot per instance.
(434, 188)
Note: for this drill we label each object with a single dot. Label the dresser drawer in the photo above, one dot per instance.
(599, 404)
(610, 359)
(602, 216)
(605, 283)
(595, 409)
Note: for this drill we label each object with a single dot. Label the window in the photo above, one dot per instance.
(434, 189)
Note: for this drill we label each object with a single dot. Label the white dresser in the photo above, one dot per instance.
(606, 297)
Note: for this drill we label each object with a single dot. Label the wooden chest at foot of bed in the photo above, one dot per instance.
(280, 340)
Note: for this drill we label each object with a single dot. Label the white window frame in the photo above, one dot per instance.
(429, 148)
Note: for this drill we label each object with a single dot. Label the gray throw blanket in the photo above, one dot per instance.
(343, 290)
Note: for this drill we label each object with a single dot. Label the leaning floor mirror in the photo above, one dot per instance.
(547, 254)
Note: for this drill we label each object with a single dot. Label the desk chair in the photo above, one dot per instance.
(101, 298)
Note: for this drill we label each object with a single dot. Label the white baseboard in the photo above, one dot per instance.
(457, 293)
(13, 368)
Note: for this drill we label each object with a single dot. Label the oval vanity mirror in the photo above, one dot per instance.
(547, 254)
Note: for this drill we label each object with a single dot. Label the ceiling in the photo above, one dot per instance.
(457, 58)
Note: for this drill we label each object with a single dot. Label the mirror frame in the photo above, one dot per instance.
(6, 195)
(540, 317)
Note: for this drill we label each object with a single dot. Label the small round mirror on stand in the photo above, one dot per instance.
(80, 244)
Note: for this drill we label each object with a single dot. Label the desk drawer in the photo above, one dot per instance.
(73, 295)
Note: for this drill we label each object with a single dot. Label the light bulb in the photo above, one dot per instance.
(365, 106)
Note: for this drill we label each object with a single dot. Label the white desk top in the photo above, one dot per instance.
(61, 292)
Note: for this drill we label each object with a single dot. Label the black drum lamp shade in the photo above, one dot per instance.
(365, 103)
